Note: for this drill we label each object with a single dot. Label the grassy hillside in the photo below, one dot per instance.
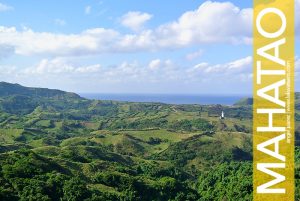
(56, 145)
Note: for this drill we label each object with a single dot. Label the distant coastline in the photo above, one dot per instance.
(167, 98)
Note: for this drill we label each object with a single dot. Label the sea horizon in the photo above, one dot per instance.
(204, 99)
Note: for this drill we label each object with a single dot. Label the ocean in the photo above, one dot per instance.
(168, 98)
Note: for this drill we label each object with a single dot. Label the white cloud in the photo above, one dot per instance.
(60, 22)
(297, 64)
(210, 23)
(89, 69)
(238, 66)
(158, 75)
(88, 10)
(28, 42)
(60, 66)
(157, 69)
(199, 66)
(124, 72)
(135, 20)
(241, 63)
(4, 7)
(155, 64)
(158, 64)
(297, 71)
(194, 55)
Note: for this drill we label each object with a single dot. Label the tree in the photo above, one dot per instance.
(75, 190)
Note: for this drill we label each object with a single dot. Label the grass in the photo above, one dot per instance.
(103, 188)
(73, 141)
(47, 150)
(43, 123)
(36, 143)
(162, 134)
(9, 135)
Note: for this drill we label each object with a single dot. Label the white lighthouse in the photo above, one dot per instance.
(222, 115)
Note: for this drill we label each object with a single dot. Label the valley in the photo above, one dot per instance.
(55, 145)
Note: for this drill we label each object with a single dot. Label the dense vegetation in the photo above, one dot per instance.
(58, 146)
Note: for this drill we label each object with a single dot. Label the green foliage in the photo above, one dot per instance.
(138, 124)
(297, 117)
(58, 146)
(205, 149)
(154, 141)
(189, 125)
(228, 181)
(245, 102)
(75, 190)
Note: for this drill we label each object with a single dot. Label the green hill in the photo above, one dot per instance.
(8, 89)
(17, 99)
(55, 145)
(249, 101)
(245, 102)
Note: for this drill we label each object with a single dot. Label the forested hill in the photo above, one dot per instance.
(249, 101)
(58, 146)
(17, 99)
(8, 89)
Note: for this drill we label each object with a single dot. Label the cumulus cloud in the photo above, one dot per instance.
(297, 72)
(241, 65)
(199, 66)
(224, 76)
(157, 74)
(155, 64)
(59, 66)
(297, 64)
(28, 42)
(158, 64)
(156, 70)
(212, 22)
(135, 20)
(194, 55)
(4, 7)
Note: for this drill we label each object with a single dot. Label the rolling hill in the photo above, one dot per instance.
(55, 145)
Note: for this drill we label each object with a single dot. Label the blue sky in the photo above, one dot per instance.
(128, 46)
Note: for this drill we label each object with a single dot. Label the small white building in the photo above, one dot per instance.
(222, 115)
